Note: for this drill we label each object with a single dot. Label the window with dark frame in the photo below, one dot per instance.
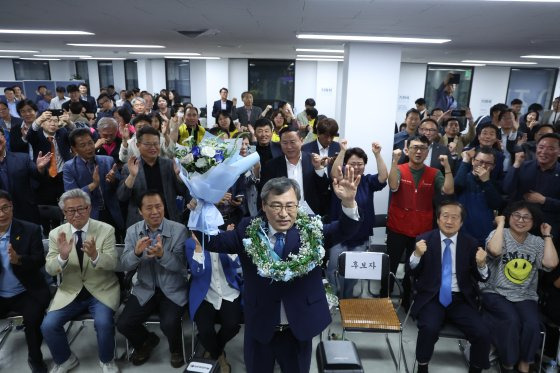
(435, 77)
(32, 70)
(178, 78)
(131, 74)
(82, 71)
(532, 85)
(105, 69)
(271, 81)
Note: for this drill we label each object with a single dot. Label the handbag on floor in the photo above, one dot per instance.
(337, 357)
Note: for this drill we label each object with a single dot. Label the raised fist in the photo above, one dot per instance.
(421, 247)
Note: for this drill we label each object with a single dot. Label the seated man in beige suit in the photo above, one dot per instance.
(83, 252)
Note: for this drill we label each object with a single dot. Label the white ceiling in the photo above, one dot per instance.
(267, 29)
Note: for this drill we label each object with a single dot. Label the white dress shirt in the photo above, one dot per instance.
(84, 230)
(295, 172)
(219, 287)
(351, 212)
(428, 159)
(415, 260)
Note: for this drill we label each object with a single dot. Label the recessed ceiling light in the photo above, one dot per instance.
(500, 62)
(16, 51)
(45, 32)
(191, 57)
(61, 55)
(378, 39)
(319, 50)
(316, 56)
(541, 56)
(114, 45)
(103, 58)
(9, 56)
(455, 64)
(320, 59)
(39, 59)
(165, 53)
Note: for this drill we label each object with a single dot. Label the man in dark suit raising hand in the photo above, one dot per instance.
(446, 265)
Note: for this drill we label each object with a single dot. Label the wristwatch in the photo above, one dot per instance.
(547, 235)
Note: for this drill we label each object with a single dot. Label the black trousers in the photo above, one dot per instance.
(397, 244)
(32, 308)
(130, 322)
(293, 355)
(206, 316)
(467, 319)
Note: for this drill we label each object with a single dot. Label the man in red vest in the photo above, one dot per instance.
(414, 187)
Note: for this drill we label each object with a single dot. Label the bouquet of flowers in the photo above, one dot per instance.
(209, 169)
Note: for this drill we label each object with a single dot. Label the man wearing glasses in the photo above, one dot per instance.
(106, 107)
(538, 180)
(22, 286)
(477, 192)
(150, 172)
(429, 128)
(83, 252)
(97, 175)
(414, 187)
(282, 317)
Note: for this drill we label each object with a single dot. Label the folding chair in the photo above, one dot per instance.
(12, 320)
(375, 315)
(86, 316)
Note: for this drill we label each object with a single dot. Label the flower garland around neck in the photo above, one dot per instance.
(310, 255)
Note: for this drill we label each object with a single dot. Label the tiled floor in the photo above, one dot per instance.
(371, 347)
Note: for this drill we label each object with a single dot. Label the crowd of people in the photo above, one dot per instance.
(474, 211)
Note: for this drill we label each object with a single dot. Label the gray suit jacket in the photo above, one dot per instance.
(170, 271)
(171, 189)
(241, 114)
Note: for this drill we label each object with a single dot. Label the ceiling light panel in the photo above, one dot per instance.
(165, 53)
(96, 45)
(314, 50)
(16, 51)
(377, 39)
(61, 55)
(44, 32)
(541, 57)
(500, 62)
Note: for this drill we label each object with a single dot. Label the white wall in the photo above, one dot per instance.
(305, 85)
(489, 87)
(217, 76)
(198, 82)
(119, 79)
(326, 88)
(158, 81)
(6, 70)
(238, 78)
(412, 81)
(93, 73)
(62, 70)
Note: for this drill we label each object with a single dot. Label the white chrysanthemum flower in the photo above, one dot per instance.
(188, 159)
(208, 151)
(200, 162)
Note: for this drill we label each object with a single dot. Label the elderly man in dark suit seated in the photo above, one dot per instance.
(280, 252)
(447, 264)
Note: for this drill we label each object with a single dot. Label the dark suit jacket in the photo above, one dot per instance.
(23, 180)
(218, 107)
(171, 189)
(26, 240)
(241, 114)
(77, 175)
(16, 142)
(427, 274)
(314, 187)
(40, 143)
(313, 147)
(304, 297)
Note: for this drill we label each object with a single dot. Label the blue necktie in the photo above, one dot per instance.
(279, 245)
(446, 271)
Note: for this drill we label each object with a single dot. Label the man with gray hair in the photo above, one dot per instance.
(108, 143)
(284, 310)
(83, 252)
(138, 106)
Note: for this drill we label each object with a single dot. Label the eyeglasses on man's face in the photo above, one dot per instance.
(278, 207)
(78, 210)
